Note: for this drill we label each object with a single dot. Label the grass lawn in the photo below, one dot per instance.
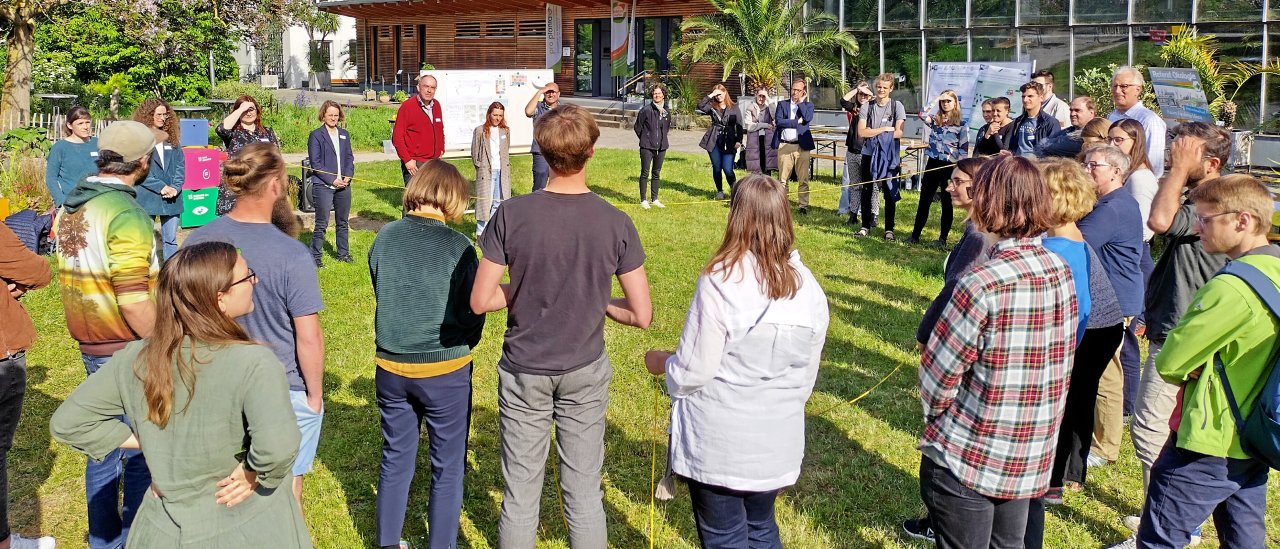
(860, 474)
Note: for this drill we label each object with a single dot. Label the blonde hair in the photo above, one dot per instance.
(1096, 128)
(953, 119)
(438, 184)
(1074, 194)
(1240, 193)
(566, 136)
(886, 77)
(760, 224)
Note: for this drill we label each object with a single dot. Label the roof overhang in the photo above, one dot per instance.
(366, 9)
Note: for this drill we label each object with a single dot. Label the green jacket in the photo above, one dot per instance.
(1228, 320)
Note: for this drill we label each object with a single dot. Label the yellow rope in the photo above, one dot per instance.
(864, 393)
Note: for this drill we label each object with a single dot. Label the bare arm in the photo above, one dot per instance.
(140, 316)
(310, 348)
(532, 105)
(233, 117)
(634, 308)
(1186, 152)
(897, 130)
(487, 294)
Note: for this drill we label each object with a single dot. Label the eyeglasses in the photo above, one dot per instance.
(1118, 140)
(549, 92)
(252, 279)
(162, 115)
(1123, 86)
(958, 181)
(1205, 219)
(1091, 165)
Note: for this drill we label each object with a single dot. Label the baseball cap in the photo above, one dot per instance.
(131, 140)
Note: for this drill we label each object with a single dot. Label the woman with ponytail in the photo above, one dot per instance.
(211, 412)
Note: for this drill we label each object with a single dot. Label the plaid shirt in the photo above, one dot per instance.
(993, 377)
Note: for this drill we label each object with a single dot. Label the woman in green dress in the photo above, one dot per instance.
(217, 455)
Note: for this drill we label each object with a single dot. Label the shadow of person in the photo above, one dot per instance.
(30, 460)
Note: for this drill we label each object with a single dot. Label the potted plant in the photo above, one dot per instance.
(370, 94)
(400, 96)
(384, 97)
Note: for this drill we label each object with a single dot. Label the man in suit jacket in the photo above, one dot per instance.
(793, 141)
(419, 130)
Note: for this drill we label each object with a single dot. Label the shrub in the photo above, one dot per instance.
(97, 96)
(400, 97)
(22, 182)
(231, 89)
(1096, 83)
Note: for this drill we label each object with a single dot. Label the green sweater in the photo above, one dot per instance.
(422, 275)
(1226, 319)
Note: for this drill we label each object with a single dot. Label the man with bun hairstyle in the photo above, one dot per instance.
(107, 268)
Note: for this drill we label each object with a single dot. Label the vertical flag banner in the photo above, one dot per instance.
(620, 15)
(555, 36)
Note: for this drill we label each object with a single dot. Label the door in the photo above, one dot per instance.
(591, 61)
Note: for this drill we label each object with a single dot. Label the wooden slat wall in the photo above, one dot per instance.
(444, 51)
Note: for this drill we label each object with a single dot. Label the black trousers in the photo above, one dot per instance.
(13, 385)
(654, 157)
(934, 182)
(868, 219)
(339, 201)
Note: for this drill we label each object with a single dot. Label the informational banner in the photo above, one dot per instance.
(620, 18)
(1180, 96)
(555, 36)
(465, 96)
(198, 207)
(999, 80)
(203, 167)
(961, 78)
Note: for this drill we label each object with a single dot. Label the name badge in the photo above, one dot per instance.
(340, 136)
(93, 154)
(264, 139)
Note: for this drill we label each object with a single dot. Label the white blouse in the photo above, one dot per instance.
(740, 377)
(1142, 184)
(495, 158)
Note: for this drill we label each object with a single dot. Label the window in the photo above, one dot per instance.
(1230, 10)
(1160, 11)
(861, 14)
(944, 13)
(533, 27)
(902, 14)
(466, 30)
(499, 29)
(1101, 11)
(993, 13)
(1043, 12)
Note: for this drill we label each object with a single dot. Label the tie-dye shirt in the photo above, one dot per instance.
(106, 258)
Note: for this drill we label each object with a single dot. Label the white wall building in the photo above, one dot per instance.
(291, 68)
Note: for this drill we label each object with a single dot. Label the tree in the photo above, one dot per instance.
(18, 18)
(765, 38)
(315, 22)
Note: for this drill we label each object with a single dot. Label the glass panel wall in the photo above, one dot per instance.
(944, 13)
(902, 57)
(991, 13)
(995, 44)
(1050, 48)
(1240, 43)
(1230, 10)
(902, 14)
(830, 7)
(1271, 122)
(1044, 12)
(1100, 11)
(861, 14)
(1156, 11)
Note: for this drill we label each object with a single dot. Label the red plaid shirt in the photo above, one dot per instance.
(993, 377)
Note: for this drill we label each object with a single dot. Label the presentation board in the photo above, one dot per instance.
(465, 95)
(976, 82)
(1180, 95)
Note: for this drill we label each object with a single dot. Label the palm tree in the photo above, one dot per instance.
(1200, 51)
(765, 38)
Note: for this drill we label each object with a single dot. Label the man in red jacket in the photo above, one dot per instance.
(419, 130)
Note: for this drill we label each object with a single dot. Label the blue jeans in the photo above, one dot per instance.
(541, 172)
(733, 519)
(444, 402)
(722, 168)
(169, 234)
(339, 201)
(108, 525)
(495, 192)
(1187, 487)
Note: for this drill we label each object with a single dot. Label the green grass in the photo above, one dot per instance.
(860, 473)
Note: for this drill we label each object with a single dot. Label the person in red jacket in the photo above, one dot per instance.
(419, 129)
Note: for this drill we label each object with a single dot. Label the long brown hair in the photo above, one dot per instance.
(247, 172)
(726, 100)
(145, 114)
(249, 99)
(186, 313)
(1137, 156)
(489, 111)
(760, 224)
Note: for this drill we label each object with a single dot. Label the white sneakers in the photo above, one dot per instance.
(644, 204)
(656, 203)
(18, 542)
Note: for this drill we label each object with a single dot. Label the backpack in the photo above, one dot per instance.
(306, 197)
(1260, 432)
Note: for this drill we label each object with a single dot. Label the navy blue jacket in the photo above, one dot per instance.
(782, 120)
(1046, 125)
(170, 170)
(324, 160)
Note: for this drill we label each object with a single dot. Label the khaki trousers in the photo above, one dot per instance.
(791, 157)
(1108, 416)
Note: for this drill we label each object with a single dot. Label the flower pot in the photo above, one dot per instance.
(384, 98)
(370, 95)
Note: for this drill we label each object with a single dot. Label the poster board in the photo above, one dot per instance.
(465, 95)
(1180, 95)
(977, 82)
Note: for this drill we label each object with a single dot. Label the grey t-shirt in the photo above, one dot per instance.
(1183, 268)
(288, 286)
(878, 116)
(561, 252)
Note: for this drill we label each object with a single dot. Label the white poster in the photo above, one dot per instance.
(555, 36)
(1180, 95)
(465, 96)
(999, 81)
(961, 78)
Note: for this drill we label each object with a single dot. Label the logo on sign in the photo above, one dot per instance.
(200, 210)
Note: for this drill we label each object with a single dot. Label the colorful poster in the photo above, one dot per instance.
(620, 17)
(1180, 95)
(555, 36)
(465, 96)
(961, 78)
(1000, 80)
(203, 167)
(198, 207)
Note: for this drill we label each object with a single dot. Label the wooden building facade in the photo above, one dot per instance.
(395, 38)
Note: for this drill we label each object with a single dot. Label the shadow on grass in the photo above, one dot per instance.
(33, 462)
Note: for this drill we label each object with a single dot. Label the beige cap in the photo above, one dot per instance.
(131, 140)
